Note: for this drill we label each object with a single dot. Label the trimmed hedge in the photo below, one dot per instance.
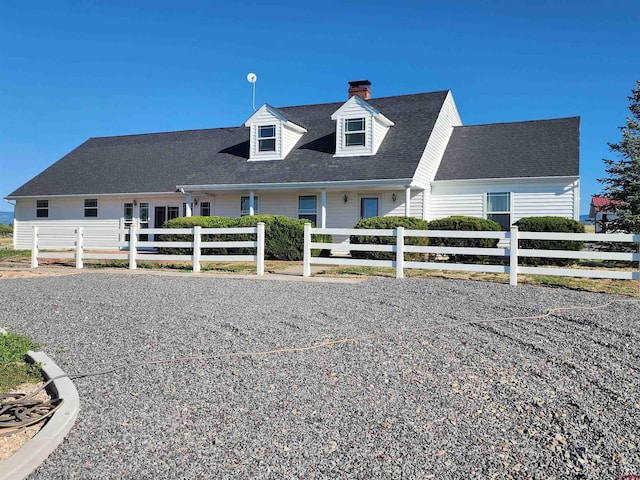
(190, 222)
(549, 224)
(468, 224)
(284, 236)
(385, 223)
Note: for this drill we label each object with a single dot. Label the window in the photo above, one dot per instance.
(308, 207)
(173, 212)
(91, 207)
(42, 208)
(499, 209)
(128, 214)
(354, 132)
(205, 209)
(267, 138)
(368, 207)
(244, 206)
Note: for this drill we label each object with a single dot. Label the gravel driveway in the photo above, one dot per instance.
(454, 396)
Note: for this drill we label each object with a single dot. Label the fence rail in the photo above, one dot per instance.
(130, 248)
(513, 253)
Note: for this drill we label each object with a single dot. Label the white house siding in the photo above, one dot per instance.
(434, 150)
(560, 200)
(58, 233)
(529, 197)
(446, 205)
(379, 132)
(289, 140)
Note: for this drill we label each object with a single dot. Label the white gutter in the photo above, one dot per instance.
(403, 182)
(96, 195)
(484, 181)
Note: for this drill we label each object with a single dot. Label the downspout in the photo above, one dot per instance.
(407, 201)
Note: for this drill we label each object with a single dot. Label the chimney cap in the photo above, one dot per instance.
(359, 83)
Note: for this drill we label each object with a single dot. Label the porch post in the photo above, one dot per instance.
(187, 212)
(407, 201)
(251, 207)
(323, 209)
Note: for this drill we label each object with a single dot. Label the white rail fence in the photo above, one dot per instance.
(83, 244)
(512, 252)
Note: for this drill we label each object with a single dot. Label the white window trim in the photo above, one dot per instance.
(90, 207)
(363, 131)
(498, 212)
(39, 208)
(260, 138)
(308, 211)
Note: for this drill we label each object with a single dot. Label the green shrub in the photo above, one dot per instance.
(190, 222)
(467, 224)
(6, 230)
(549, 224)
(385, 223)
(284, 236)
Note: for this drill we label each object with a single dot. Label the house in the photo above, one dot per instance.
(332, 163)
(601, 212)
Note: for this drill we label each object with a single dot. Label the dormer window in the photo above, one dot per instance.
(354, 129)
(272, 135)
(360, 128)
(267, 138)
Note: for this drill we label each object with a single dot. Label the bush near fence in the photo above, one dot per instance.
(284, 236)
(386, 223)
(467, 224)
(549, 224)
(204, 222)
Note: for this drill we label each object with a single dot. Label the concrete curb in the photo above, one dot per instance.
(19, 465)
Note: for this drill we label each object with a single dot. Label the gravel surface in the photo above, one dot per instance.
(459, 394)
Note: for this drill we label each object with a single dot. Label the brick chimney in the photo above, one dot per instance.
(360, 88)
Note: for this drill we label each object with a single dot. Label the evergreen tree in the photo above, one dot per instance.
(622, 185)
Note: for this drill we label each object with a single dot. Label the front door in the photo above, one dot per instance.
(159, 217)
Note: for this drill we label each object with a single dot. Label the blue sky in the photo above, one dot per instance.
(71, 70)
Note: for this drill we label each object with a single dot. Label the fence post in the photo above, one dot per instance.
(306, 256)
(400, 252)
(260, 249)
(513, 256)
(196, 248)
(79, 247)
(34, 248)
(132, 247)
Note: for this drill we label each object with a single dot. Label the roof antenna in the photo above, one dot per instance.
(251, 78)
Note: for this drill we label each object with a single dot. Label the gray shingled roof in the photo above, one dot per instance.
(158, 162)
(541, 148)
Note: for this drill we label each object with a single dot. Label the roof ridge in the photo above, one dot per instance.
(371, 99)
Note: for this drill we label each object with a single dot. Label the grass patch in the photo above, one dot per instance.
(13, 369)
(228, 267)
(11, 254)
(611, 286)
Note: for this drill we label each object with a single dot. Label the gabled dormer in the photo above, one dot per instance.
(360, 128)
(272, 135)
